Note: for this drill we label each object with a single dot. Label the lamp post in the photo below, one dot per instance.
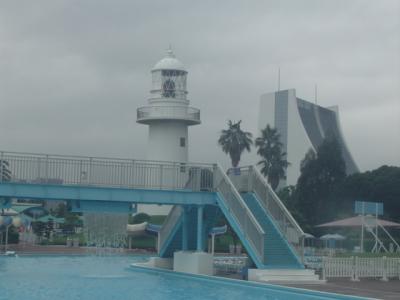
(6, 242)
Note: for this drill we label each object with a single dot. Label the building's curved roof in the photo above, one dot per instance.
(320, 122)
(169, 63)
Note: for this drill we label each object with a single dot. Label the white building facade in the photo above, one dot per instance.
(302, 125)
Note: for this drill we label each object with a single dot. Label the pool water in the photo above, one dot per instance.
(111, 277)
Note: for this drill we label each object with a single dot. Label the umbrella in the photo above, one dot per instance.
(336, 237)
(358, 221)
(309, 236)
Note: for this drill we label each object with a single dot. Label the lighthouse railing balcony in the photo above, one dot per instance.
(190, 114)
(104, 172)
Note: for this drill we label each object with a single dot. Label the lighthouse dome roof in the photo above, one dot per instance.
(169, 63)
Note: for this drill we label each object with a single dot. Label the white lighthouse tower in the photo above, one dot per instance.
(168, 113)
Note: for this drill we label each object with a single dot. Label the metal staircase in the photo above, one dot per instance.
(284, 241)
(269, 233)
(240, 217)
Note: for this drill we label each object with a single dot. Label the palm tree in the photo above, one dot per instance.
(234, 141)
(274, 163)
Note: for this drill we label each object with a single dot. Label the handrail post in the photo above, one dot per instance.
(184, 229)
(215, 169)
(302, 248)
(121, 174)
(200, 210)
(161, 176)
(38, 168)
(250, 179)
(1, 166)
(158, 243)
(90, 171)
(398, 268)
(80, 171)
(384, 271)
(356, 268)
(47, 169)
(132, 177)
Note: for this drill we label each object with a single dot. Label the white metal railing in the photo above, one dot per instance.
(239, 210)
(361, 267)
(250, 179)
(107, 172)
(168, 225)
(168, 112)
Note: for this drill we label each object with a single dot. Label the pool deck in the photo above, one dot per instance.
(372, 288)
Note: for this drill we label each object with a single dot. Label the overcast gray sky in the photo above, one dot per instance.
(72, 73)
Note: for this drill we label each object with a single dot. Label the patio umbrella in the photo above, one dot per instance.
(358, 221)
(309, 236)
(336, 237)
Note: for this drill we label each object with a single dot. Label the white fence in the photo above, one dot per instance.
(361, 267)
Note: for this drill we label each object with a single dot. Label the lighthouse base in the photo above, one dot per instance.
(193, 262)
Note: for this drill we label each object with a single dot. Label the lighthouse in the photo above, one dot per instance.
(168, 113)
(168, 116)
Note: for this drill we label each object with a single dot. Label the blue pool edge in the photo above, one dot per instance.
(238, 282)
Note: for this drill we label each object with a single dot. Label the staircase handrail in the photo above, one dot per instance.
(277, 200)
(283, 219)
(168, 225)
(243, 215)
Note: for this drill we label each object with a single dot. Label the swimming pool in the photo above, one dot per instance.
(111, 277)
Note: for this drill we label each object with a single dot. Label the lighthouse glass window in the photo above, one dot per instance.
(173, 84)
(169, 88)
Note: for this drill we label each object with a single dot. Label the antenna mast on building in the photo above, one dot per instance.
(279, 79)
(315, 94)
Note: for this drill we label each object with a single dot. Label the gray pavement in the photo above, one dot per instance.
(389, 290)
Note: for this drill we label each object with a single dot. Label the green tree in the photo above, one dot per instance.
(287, 196)
(61, 210)
(273, 163)
(379, 185)
(234, 141)
(321, 173)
